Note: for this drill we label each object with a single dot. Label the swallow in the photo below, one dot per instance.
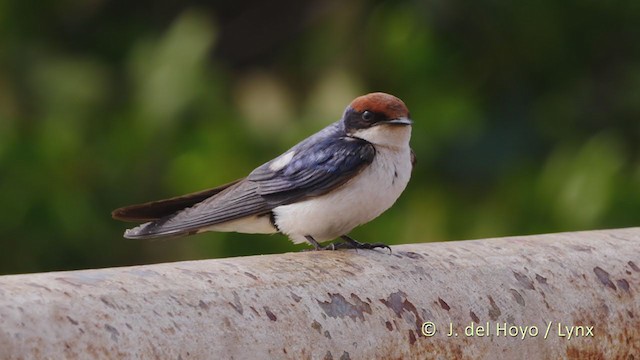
(343, 176)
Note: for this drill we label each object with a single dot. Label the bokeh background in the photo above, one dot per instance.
(527, 115)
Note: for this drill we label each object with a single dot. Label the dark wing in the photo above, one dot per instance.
(315, 169)
(157, 209)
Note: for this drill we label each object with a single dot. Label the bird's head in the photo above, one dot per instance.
(379, 118)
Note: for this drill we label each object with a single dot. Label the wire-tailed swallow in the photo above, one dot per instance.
(345, 175)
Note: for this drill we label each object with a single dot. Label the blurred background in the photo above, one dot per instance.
(527, 116)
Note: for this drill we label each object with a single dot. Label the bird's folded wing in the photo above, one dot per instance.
(312, 171)
(237, 201)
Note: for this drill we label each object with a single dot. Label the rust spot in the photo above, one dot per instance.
(168, 330)
(516, 295)
(114, 332)
(474, 317)
(236, 303)
(395, 302)
(420, 270)
(578, 353)
(316, 325)
(524, 280)
(544, 299)
(634, 266)
(541, 279)
(69, 281)
(399, 303)
(603, 276)
(410, 254)
(345, 356)
(443, 304)
(295, 297)
(623, 284)
(338, 306)
(175, 299)
(251, 275)
(203, 305)
(39, 286)
(328, 356)
(581, 248)
(412, 337)
(72, 321)
(107, 302)
(389, 326)
(494, 311)
(270, 314)
(630, 313)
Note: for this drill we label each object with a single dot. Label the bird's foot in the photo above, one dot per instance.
(318, 247)
(331, 246)
(350, 243)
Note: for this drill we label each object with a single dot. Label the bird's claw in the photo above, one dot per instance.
(368, 246)
(348, 243)
(318, 247)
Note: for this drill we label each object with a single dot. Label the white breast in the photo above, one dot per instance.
(359, 201)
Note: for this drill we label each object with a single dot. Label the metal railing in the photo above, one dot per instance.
(566, 295)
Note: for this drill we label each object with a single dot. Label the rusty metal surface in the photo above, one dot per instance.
(343, 304)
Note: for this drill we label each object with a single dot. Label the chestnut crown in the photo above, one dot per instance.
(373, 109)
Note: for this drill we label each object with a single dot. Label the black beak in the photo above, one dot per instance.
(400, 121)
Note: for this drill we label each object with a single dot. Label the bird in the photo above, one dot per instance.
(341, 177)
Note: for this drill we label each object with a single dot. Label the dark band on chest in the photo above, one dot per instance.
(272, 220)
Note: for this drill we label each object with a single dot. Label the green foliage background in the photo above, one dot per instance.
(527, 116)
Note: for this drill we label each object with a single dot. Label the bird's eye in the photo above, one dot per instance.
(367, 116)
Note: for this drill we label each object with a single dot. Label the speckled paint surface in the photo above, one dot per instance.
(342, 304)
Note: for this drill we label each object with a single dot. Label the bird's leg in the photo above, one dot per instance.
(317, 246)
(353, 244)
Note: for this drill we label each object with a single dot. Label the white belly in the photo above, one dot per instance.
(248, 225)
(359, 201)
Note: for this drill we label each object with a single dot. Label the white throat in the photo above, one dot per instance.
(391, 136)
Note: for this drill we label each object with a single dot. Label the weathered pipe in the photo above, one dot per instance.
(568, 295)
